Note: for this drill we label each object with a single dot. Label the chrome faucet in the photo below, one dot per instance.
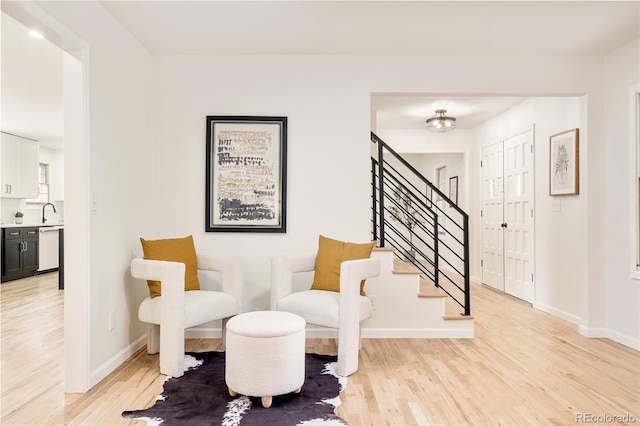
(48, 204)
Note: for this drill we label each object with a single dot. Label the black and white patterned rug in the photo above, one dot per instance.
(200, 397)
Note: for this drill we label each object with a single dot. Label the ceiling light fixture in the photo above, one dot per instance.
(440, 122)
(36, 34)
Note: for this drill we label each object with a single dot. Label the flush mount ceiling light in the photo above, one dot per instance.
(36, 34)
(440, 122)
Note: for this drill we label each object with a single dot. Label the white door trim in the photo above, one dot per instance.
(76, 252)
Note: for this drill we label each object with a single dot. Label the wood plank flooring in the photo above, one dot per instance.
(523, 367)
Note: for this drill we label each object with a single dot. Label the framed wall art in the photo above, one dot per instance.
(564, 163)
(246, 174)
(453, 189)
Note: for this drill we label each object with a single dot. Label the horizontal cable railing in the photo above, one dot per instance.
(424, 226)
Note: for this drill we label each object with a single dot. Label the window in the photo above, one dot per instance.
(43, 185)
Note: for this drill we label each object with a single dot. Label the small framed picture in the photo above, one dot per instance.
(564, 163)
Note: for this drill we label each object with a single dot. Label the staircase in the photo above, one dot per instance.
(407, 306)
(424, 286)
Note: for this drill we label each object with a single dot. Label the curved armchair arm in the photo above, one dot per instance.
(158, 270)
(352, 272)
(168, 336)
(171, 276)
(231, 270)
(282, 270)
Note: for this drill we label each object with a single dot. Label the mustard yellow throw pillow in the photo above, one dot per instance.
(331, 253)
(176, 250)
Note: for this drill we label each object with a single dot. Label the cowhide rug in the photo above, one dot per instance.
(201, 397)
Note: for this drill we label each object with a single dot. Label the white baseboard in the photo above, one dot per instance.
(415, 333)
(594, 333)
(313, 332)
(623, 339)
(215, 333)
(396, 333)
(203, 333)
(605, 333)
(591, 332)
(557, 312)
(418, 333)
(116, 361)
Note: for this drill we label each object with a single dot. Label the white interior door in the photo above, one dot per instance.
(518, 216)
(492, 215)
(507, 216)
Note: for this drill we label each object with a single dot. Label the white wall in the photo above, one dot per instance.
(622, 293)
(456, 166)
(119, 162)
(328, 164)
(453, 147)
(416, 141)
(148, 176)
(560, 256)
(328, 153)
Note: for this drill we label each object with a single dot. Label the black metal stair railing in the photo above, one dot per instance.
(424, 226)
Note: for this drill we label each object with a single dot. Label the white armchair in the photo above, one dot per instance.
(342, 310)
(175, 310)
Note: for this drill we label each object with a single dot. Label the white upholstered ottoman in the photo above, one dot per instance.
(265, 354)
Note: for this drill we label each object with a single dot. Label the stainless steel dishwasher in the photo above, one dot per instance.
(48, 248)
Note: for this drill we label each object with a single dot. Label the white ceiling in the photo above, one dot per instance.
(446, 28)
(410, 111)
(31, 85)
(451, 28)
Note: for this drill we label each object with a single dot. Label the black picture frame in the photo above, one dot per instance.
(246, 182)
(453, 189)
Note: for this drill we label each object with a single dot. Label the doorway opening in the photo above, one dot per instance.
(76, 177)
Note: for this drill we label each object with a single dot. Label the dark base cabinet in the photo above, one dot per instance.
(19, 253)
(61, 259)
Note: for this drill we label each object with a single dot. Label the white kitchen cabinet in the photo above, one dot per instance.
(19, 167)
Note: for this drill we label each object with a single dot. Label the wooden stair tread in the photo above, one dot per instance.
(387, 248)
(401, 267)
(457, 317)
(427, 289)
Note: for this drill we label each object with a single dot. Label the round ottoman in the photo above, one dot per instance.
(265, 354)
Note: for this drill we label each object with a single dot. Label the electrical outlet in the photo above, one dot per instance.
(373, 299)
(112, 320)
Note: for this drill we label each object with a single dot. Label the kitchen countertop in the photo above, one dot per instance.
(31, 225)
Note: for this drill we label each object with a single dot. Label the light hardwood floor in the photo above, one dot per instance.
(523, 367)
